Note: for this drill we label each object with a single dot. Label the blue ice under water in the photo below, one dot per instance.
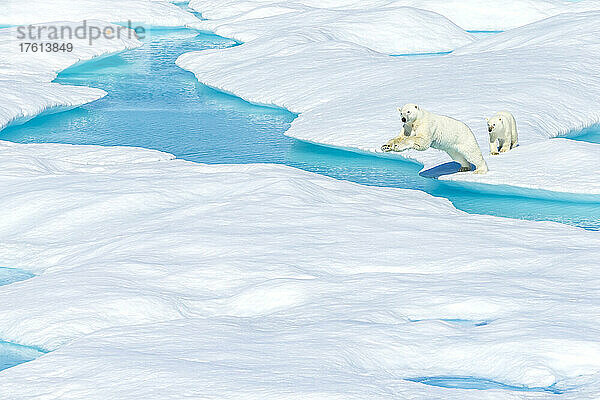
(12, 354)
(469, 382)
(152, 103)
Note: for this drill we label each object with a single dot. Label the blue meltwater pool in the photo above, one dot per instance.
(12, 354)
(152, 103)
(473, 383)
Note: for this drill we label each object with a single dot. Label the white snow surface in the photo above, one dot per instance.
(26, 88)
(347, 95)
(489, 15)
(398, 30)
(164, 279)
(148, 12)
(569, 166)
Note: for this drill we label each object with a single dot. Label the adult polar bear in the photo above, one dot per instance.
(423, 130)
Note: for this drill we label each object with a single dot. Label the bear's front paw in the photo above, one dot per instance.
(504, 150)
(464, 169)
(495, 153)
(386, 148)
(400, 147)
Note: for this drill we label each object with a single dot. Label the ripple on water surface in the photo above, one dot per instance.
(152, 103)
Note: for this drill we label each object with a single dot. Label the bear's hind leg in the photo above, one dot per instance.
(505, 145)
(514, 139)
(514, 136)
(476, 158)
(494, 147)
(459, 158)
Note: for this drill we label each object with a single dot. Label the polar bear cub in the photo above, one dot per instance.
(423, 129)
(502, 128)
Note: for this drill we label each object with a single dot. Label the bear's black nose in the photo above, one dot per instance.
(489, 129)
(403, 119)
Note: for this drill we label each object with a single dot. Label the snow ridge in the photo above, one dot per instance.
(485, 15)
(391, 30)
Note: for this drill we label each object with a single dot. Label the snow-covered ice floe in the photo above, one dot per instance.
(565, 176)
(397, 30)
(347, 95)
(26, 88)
(486, 15)
(161, 278)
(147, 12)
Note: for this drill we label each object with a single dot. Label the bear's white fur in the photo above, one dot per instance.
(502, 128)
(423, 130)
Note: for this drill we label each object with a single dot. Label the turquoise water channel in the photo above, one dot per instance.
(152, 103)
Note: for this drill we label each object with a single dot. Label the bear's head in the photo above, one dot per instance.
(495, 124)
(409, 112)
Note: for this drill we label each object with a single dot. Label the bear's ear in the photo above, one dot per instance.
(400, 109)
(487, 119)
